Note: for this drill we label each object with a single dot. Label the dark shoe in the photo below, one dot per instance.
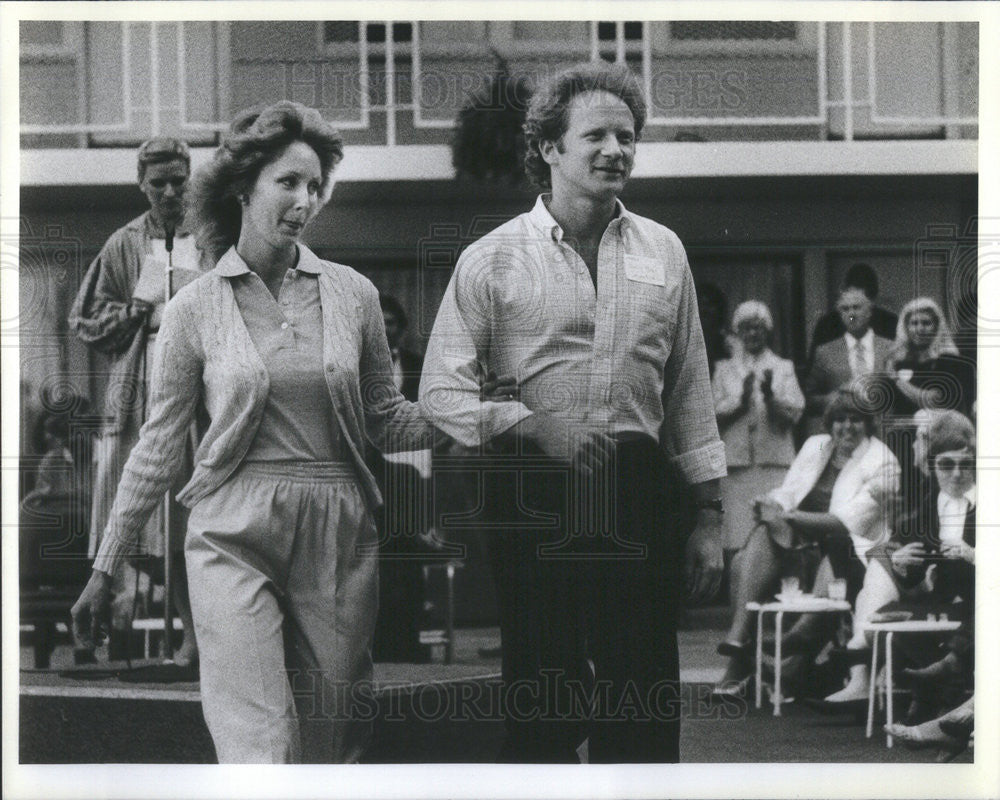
(82, 655)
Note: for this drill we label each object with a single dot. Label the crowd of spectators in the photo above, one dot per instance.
(880, 497)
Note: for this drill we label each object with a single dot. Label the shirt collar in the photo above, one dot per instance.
(232, 264)
(968, 500)
(858, 453)
(155, 231)
(866, 340)
(542, 218)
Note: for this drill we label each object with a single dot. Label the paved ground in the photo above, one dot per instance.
(140, 728)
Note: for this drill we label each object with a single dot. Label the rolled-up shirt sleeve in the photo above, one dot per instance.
(100, 314)
(457, 358)
(690, 432)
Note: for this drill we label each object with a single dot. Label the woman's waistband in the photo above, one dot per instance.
(301, 471)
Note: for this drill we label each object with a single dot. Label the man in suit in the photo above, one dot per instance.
(830, 326)
(858, 353)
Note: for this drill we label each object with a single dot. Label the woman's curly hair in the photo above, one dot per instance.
(256, 137)
(547, 118)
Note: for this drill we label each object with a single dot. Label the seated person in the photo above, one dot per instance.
(834, 497)
(54, 514)
(929, 562)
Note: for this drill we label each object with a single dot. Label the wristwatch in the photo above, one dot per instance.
(715, 504)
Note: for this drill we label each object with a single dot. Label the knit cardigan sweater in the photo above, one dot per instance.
(204, 354)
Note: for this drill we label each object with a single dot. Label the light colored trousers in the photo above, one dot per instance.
(283, 573)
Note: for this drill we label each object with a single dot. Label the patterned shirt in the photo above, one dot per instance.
(628, 358)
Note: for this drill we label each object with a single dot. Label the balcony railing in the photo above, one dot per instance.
(113, 84)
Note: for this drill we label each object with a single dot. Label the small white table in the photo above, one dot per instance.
(890, 628)
(803, 604)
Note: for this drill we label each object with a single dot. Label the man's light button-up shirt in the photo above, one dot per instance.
(598, 358)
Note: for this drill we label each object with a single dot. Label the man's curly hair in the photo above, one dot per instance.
(548, 113)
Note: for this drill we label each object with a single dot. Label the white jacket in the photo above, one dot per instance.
(861, 494)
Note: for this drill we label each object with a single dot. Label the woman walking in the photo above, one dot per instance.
(288, 355)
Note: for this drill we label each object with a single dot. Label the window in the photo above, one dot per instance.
(743, 30)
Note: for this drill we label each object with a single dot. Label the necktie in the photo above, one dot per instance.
(859, 366)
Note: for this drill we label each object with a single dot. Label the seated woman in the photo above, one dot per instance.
(834, 496)
(923, 371)
(930, 559)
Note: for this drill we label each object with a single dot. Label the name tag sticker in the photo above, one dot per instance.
(644, 270)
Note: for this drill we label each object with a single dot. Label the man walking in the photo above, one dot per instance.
(593, 308)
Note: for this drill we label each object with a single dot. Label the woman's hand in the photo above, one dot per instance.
(907, 556)
(959, 550)
(498, 389)
(92, 611)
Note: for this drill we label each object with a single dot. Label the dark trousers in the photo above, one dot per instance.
(588, 575)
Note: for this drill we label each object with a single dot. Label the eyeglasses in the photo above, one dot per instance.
(948, 464)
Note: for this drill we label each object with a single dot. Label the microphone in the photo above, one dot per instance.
(169, 283)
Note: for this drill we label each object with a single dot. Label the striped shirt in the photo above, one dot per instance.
(628, 358)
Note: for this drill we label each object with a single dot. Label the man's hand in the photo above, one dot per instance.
(586, 452)
(92, 611)
(909, 555)
(703, 558)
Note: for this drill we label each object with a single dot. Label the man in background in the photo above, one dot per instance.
(830, 326)
(854, 355)
(117, 312)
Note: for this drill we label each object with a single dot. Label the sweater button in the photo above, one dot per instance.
(284, 325)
